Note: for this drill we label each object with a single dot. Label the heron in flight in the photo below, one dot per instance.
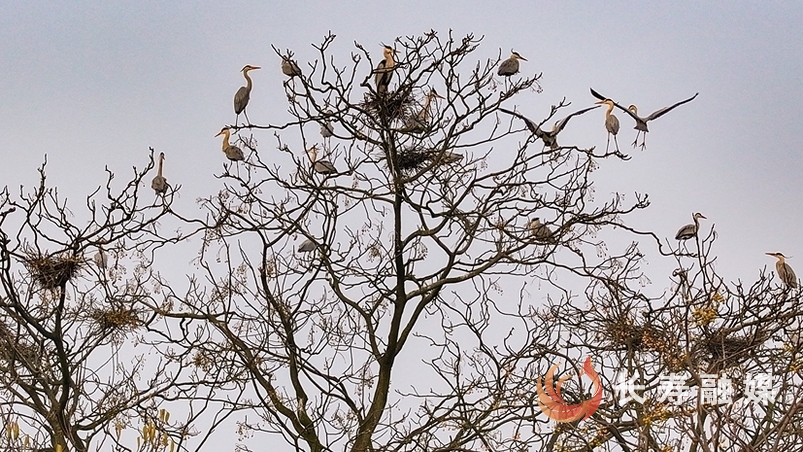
(289, 67)
(641, 123)
(243, 94)
(232, 152)
(384, 70)
(549, 138)
(159, 182)
(419, 122)
(320, 166)
(611, 123)
(511, 65)
(539, 230)
(690, 230)
(785, 272)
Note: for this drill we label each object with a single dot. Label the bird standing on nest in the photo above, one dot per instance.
(384, 70)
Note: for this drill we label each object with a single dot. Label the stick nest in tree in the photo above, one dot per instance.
(390, 105)
(53, 271)
(115, 319)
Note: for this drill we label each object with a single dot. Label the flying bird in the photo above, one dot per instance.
(511, 65)
(785, 272)
(549, 138)
(384, 70)
(690, 230)
(159, 182)
(243, 94)
(232, 152)
(611, 123)
(641, 123)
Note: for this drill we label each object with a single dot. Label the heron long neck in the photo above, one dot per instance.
(389, 62)
(313, 155)
(424, 114)
(161, 162)
(608, 114)
(226, 134)
(781, 261)
(247, 80)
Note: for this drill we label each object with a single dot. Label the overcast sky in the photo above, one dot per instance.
(95, 84)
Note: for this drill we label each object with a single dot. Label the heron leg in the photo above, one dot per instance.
(608, 144)
(248, 121)
(617, 143)
(644, 141)
(237, 120)
(635, 142)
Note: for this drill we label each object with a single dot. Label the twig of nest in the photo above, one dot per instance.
(390, 105)
(725, 352)
(53, 271)
(414, 159)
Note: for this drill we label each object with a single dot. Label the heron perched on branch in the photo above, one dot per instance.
(539, 230)
(549, 138)
(419, 122)
(289, 67)
(159, 182)
(243, 94)
(641, 123)
(307, 246)
(511, 65)
(611, 123)
(100, 258)
(384, 70)
(690, 230)
(320, 166)
(232, 152)
(785, 272)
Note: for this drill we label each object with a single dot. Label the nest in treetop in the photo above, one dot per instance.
(638, 337)
(53, 271)
(725, 352)
(115, 319)
(390, 105)
(414, 158)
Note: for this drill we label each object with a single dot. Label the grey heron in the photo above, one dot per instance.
(320, 166)
(641, 123)
(100, 258)
(690, 230)
(449, 157)
(327, 129)
(289, 67)
(785, 272)
(159, 182)
(384, 70)
(243, 94)
(511, 65)
(539, 230)
(611, 123)
(549, 138)
(307, 246)
(232, 152)
(419, 122)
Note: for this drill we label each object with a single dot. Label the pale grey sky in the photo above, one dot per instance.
(92, 84)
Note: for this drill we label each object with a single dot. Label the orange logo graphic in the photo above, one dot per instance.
(552, 403)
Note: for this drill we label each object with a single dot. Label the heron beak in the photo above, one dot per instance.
(600, 102)
(522, 58)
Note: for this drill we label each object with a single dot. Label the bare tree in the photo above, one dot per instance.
(72, 308)
(408, 319)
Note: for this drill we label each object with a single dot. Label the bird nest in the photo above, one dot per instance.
(53, 271)
(414, 159)
(115, 319)
(724, 352)
(390, 105)
(638, 337)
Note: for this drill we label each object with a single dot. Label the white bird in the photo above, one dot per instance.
(511, 65)
(243, 94)
(690, 230)
(320, 166)
(100, 258)
(784, 271)
(384, 70)
(232, 152)
(159, 182)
